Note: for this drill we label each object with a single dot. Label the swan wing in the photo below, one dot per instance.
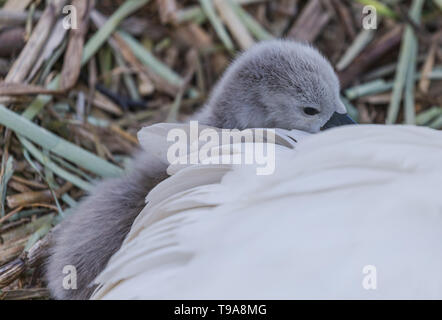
(351, 213)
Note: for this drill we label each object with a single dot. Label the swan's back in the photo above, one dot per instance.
(343, 200)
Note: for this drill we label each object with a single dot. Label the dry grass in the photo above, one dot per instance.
(72, 101)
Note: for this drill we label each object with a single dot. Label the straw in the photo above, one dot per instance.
(408, 46)
(360, 42)
(101, 36)
(56, 169)
(8, 172)
(57, 145)
(254, 27)
(209, 10)
(426, 116)
(90, 49)
(151, 61)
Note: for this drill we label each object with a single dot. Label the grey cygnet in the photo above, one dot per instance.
(275, 84)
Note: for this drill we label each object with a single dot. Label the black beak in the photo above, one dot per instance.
(338, 120)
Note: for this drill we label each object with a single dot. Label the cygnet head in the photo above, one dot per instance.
(276, 84)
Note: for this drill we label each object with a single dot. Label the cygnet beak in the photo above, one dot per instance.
(338, 119)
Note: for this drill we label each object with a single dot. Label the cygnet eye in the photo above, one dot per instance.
(311, 111)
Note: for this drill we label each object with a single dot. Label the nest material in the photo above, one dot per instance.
(137, 62)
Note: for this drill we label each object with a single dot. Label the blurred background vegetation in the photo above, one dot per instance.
(72, 101)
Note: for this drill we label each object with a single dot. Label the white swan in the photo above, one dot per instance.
(275, 84)
(343, 202)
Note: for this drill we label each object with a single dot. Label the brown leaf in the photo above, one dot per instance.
(22, 66)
